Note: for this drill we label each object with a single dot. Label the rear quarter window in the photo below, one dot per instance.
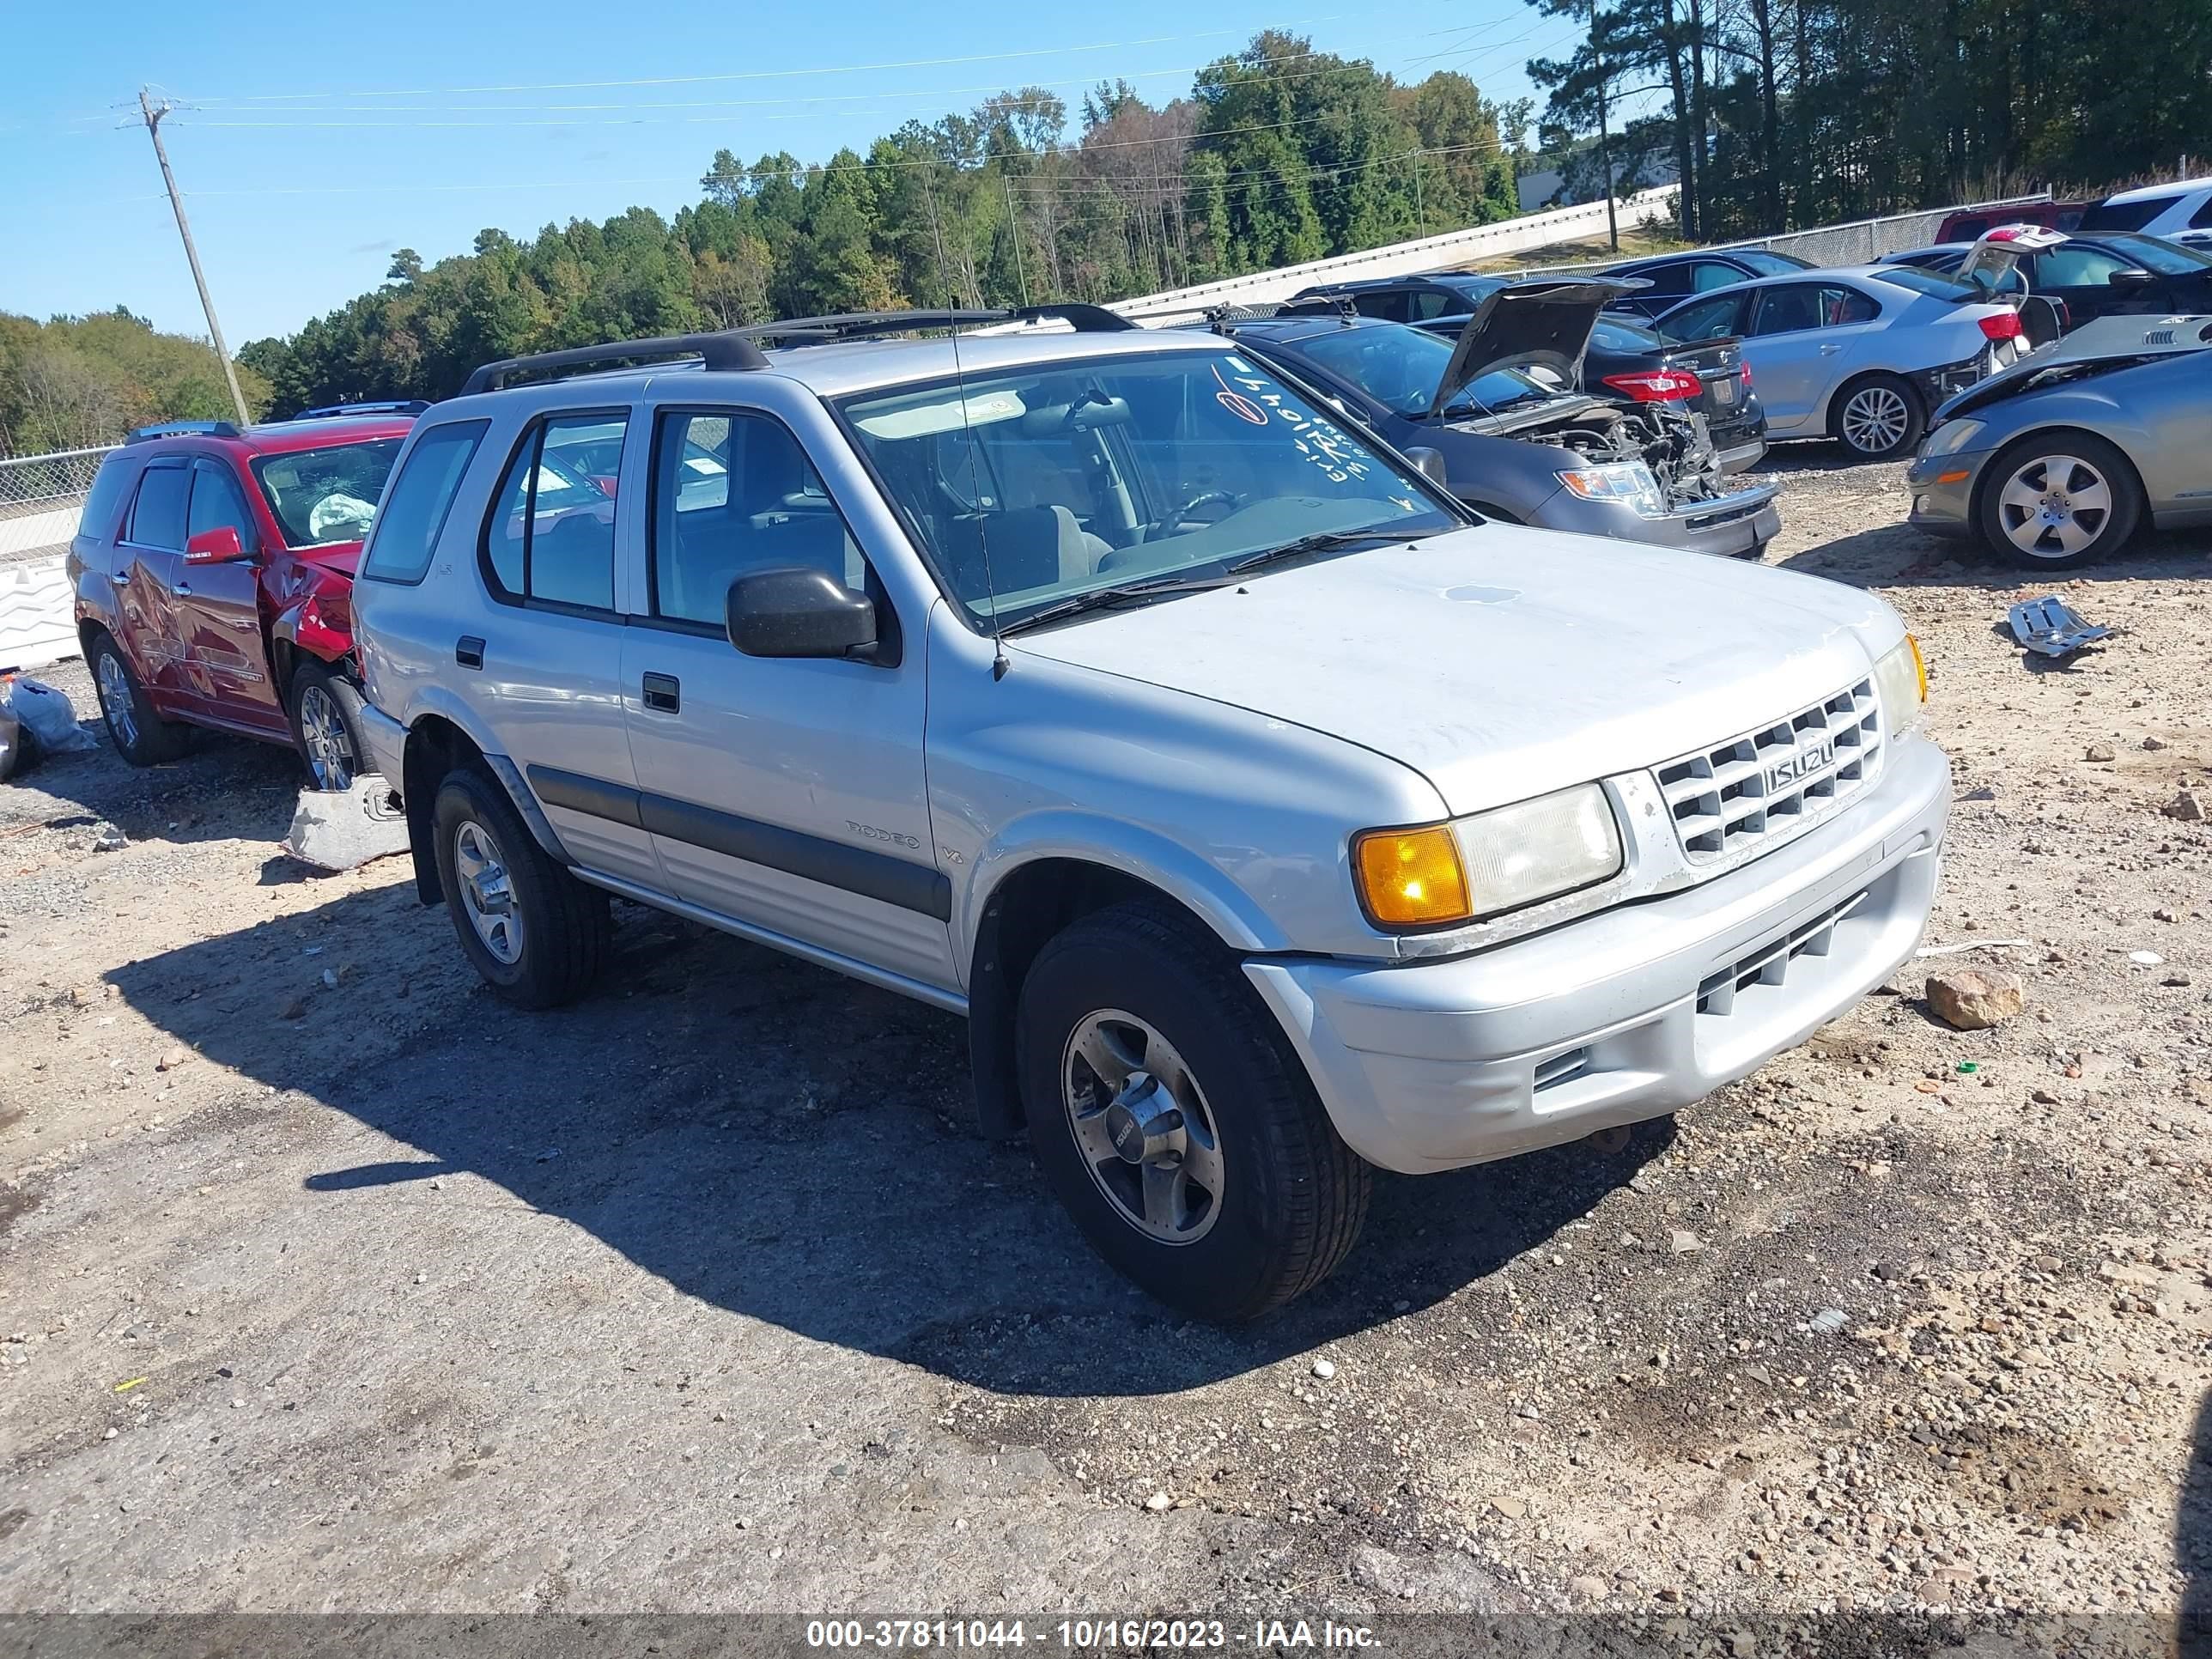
(2127, 216)
(103, 503)
(415, 506)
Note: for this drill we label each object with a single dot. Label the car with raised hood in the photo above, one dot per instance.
(1862, 353)
(213, 570)
(1624, 362)
(1270, 817)
(1500, 409)
(2059, 460)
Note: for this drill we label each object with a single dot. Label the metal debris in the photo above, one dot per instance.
(2051, 628)
(1970, 945)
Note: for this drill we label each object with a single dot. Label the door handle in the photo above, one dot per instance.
(1830, 349)
(663, 693)
(121, 579)
(185, 589)
(468, 651)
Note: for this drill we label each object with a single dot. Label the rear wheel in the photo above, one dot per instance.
(140, 736)
(326, 725)
(2061, 500)
(1878, 417)
(1174, 1121)
(538, 936)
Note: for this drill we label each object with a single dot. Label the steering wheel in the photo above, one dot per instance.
(1181, 516)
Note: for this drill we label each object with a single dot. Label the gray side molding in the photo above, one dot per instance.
(526, 804)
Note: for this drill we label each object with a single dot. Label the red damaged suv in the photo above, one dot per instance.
(214, 572)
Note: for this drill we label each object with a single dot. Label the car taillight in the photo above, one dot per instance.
(2005, 325)
(1656, 386)
(1747, 377)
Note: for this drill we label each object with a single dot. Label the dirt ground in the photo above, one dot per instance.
(331, 1284)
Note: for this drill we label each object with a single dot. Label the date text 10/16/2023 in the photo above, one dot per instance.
(1086, 1635)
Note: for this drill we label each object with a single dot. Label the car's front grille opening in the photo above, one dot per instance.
(1770, 965)
(1758, 789)
(1561, 1068)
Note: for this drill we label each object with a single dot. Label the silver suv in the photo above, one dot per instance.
(1270, 820)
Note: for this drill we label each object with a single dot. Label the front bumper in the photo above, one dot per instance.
(1943, 491)
(1627, 1014)
(1735, 525)
(386, 741)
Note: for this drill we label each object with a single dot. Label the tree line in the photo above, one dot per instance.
(1279, 154)
(1780, 114)
(78, 382)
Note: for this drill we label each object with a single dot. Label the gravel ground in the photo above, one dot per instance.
(332, 1284)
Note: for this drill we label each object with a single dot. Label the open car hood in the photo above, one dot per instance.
(2121, 339)
(1543, 323)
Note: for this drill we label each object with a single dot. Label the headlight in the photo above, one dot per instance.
(1951, 437)
(1493, 862)
(1630, 483)
(1900, 680)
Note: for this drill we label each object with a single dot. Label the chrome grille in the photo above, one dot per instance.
(1757, 790)
(1769, 965)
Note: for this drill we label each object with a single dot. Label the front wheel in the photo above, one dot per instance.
(1174, 1121)
(1879, 417)
(538, 936)
(326, 725)
(2056, 501)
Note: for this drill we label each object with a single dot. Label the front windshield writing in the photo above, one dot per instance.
(1031, 487)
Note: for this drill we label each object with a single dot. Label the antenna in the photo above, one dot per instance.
(999, 662)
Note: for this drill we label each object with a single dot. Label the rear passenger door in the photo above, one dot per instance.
(551, 663)
(1803, 339)
(786, 794)
(149, 561)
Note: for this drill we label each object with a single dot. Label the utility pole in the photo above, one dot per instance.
(1419, 212)
(153, 113)
(1014, 230)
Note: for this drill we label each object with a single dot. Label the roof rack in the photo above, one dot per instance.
(182, 429)
(388, 406)
(860, 324)
(728, 349)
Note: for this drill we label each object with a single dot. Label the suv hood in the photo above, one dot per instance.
(2110, 340)
(1501, 663)
(1544, 323)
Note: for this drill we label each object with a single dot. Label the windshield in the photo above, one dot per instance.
(1030, 488)
(1767, 263)
(321, 496)
(2156, 254)
(1401, 369)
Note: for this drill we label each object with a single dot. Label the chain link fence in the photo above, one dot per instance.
(41, 497)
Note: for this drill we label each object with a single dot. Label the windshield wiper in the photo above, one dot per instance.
(1105, 599)
(1324, 541)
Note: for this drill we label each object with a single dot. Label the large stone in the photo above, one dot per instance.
(341, 829)
(2186, 806)
(1974, 999)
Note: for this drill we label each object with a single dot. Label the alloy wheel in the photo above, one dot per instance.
(113, 684)
(488, 892)
(1143, 1127)
(2054, 507)
(1875, 419)
(323, 735)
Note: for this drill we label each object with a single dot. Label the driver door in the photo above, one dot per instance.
(218, 612)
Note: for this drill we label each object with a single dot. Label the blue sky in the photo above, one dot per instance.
(314, 140)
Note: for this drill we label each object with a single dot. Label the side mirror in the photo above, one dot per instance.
(219, 546)
(799, 611)
(2129, 279)
(1430, 464)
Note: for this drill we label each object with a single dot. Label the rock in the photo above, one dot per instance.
(171, 1059)
(1829, 1320)
(2098, 751)
(1890, 1272)
(2186, 807)
(1324, 1368)
(1682, 1244)
(342, 829)
(1974, 999)
(110, 840)
(1513, 1509)
(1158, 1501)
(2154, 745)
(292, 1008)
(1588, 1587)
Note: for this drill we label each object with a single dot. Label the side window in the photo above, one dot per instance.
(1706, 274)
(551, 533)
(2072, 265)
(405, 532)
(1664, 280)
(2202, 219)
(1433, 302)
(103, 508)
(216, 503)
(1709, 320)
(733, 494)
(157, 517)
(1796, 306)
(1389, 306)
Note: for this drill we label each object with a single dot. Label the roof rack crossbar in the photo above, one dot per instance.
(182, 429)
(373, 407)
(859, 324)
(728, 351)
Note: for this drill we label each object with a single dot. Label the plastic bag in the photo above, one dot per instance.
(47, 715)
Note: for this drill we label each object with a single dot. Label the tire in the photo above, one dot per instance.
(325, 707)
(1137, 981)
(538, 936)
(2024, 476)
(140, 736)
(1878, 417)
